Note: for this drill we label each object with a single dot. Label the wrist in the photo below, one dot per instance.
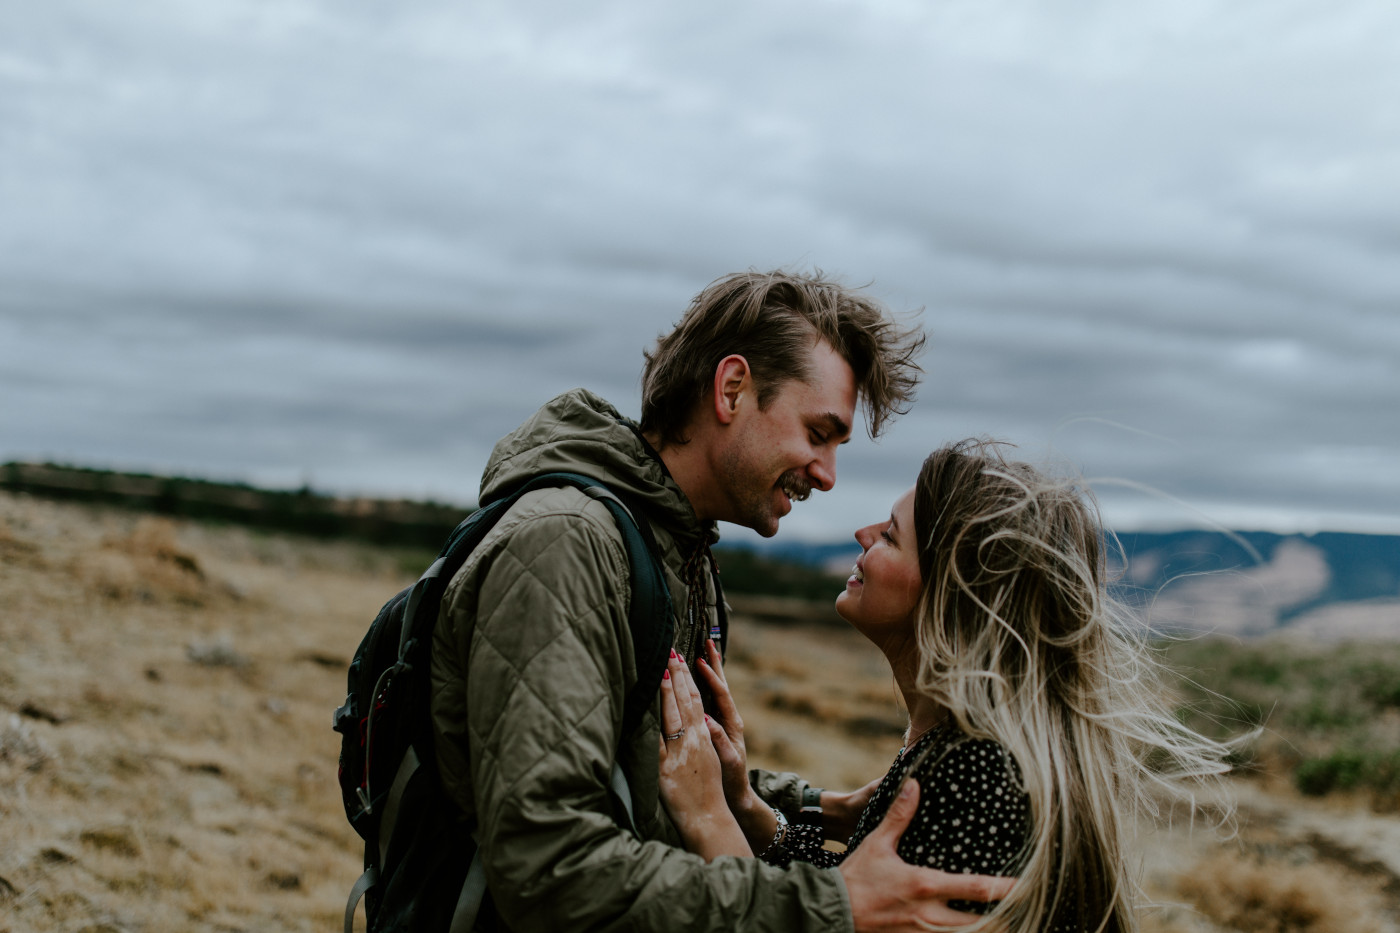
(711, 836)
(778, 839)
(836, 819)
(749, 807)
(758, 821)
(811, 806)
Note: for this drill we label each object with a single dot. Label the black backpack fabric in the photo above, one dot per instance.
(419, 851)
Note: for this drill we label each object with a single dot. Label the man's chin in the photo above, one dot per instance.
(764, 518)
(765, 525)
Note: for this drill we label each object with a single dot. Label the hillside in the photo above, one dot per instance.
(167, 762)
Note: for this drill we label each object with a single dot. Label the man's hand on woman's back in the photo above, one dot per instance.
(888, 895)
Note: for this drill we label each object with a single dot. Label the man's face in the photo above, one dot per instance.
(781, 453)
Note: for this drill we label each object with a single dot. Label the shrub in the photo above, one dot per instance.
(1349, 769)
(1327, 711)
(745, 571)
(1338, 771)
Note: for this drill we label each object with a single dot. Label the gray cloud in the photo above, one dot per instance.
(357, 243)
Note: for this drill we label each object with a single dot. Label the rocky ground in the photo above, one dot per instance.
(167, 763)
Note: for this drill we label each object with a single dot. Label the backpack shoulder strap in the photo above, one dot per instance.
(649, 616)
(649, 612)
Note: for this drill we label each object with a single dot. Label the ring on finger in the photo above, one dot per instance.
(674, 735)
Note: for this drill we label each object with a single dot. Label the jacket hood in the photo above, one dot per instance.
(580, 432)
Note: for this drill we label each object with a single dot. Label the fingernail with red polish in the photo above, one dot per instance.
(665, 675)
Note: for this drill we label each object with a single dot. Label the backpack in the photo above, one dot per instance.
(422, 870)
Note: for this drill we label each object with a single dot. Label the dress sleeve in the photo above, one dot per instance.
(973, 813)
(804, 843)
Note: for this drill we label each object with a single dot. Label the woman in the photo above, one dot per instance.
(1037, 723)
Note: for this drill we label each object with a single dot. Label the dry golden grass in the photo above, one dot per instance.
(1250, 893)
(167, 762)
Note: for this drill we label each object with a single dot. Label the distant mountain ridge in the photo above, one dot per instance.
(1328, 584)
(1360, 566)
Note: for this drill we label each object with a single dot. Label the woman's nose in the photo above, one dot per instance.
(865, 536)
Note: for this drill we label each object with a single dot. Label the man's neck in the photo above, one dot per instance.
(685, 465)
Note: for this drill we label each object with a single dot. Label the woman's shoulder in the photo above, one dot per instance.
(958, 765)
(973, 808)
(946, 744)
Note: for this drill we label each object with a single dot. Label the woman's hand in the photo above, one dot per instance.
(691, 781)
(729, 740)
(755, 817)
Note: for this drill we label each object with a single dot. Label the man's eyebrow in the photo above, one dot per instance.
(837, 425)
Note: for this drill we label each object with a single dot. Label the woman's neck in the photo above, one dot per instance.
(924, 711)
(924, 715)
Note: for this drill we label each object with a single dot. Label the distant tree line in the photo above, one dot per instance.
(301, 511)
(746, 571)
(422, 525)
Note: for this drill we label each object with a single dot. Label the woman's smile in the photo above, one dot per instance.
(884, 584)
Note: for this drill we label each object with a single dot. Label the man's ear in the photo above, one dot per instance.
(733, 381)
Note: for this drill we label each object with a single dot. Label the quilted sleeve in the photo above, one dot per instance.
(781, 789)
(545, 685)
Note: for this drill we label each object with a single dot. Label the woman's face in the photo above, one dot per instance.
(883, 590)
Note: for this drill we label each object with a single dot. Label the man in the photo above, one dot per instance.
(744, 406)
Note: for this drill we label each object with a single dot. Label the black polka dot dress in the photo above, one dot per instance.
(973, 816)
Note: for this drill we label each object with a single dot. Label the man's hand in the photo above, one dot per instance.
(888, 895)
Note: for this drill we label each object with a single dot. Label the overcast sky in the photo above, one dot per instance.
(353, 243)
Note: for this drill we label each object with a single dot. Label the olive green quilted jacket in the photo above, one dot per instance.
(531, 659)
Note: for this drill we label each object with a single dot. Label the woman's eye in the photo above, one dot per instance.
(886, 536)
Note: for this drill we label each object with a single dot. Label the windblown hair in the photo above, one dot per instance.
(1021, 644)
(773, 320)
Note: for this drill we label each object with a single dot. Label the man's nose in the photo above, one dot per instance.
(822, 471)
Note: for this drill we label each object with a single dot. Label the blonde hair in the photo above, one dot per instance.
(1020, 642)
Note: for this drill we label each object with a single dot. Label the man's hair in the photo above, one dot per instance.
(773, 319)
